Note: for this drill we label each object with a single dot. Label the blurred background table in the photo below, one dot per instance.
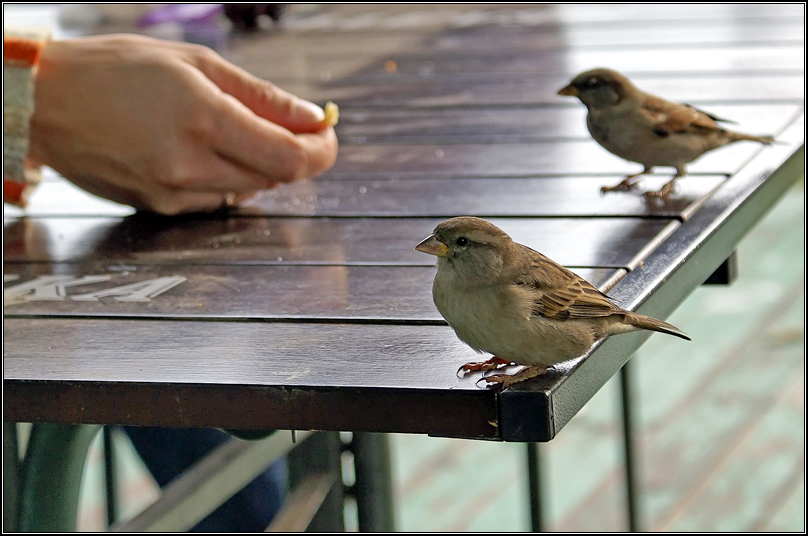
(308, 308)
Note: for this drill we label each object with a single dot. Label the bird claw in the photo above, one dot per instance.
(502, 380)
(506, 380)
(655, 195)
(662, 193)
(625, 186)
(482, 366)
(670, 187)
(477, 383)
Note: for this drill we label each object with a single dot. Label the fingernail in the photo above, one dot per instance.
(309, 112)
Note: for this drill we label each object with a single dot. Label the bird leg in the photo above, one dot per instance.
(506, 380)
(666, 190)
(627, 184)
(483, 366)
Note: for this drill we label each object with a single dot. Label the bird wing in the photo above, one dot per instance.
(671, 118)
(710, 115)
(560, 294)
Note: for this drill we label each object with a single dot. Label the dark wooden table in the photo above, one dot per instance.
(309, 309)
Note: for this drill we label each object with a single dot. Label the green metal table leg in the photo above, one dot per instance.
(374, 484)
(632, 479)
(110, 477)
(535, 487)
(51, 476)
(11, 477)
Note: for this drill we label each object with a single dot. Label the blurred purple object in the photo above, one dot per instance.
(180, 13)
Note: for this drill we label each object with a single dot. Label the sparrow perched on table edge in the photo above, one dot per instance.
(506, 299)
(647, 129)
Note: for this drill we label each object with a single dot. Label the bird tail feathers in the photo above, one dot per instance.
(646, 322)
(765, 140)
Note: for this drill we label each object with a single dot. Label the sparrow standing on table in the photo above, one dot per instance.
(507, 299)
(646, 129)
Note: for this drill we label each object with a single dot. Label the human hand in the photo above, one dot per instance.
(169, 127)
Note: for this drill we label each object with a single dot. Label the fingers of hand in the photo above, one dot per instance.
(259, 126)
(212, 172)
(270, 149)
(263, 98)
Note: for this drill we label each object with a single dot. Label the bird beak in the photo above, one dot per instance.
(432, 246)
(568, 90)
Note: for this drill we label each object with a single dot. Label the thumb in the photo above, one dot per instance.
(263, 98)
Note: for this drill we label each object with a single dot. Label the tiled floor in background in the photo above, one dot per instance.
(722, 426)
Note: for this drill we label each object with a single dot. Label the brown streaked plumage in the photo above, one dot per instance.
(509, 300)
(647, 129)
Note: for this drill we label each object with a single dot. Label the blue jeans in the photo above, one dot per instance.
(168, 452)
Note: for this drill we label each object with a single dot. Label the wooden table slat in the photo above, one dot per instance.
(400, 294)
(413, 196)
(571, 157)
(317, 54)
(506, 18)
(176, 373)
(525, 39)
(506, 125)
(277, 354)
(143, 240)
(711, 61)
(424, 61)
(527, 90)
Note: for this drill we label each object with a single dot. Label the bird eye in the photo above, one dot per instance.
(462, 241)
(592, 82)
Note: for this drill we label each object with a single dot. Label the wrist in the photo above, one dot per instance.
(21, 54)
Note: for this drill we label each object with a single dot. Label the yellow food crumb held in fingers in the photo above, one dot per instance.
(331, 114)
